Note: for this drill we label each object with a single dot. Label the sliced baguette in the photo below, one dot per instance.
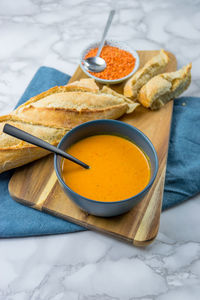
(154, 66)
(68, 109)
(164, 87)
(51, 114)
(14, 152)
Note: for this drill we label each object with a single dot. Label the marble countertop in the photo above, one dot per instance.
(88, 265)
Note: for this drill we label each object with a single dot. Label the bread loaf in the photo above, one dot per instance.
(51, 114)
(15, 153)
(154, 66)
(164, 87)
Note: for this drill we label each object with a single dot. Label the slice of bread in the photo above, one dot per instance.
(153, 67)
(164, 87)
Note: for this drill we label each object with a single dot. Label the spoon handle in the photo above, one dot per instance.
(25, 136)
(111, 15)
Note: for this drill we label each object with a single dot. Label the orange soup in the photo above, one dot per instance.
(118, 168)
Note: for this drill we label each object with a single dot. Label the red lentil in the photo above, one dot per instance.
(119, 63)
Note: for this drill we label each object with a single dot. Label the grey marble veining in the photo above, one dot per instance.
(88, 265)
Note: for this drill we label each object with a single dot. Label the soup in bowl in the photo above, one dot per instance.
(123, 165)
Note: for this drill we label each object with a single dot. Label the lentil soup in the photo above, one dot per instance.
(118, 168)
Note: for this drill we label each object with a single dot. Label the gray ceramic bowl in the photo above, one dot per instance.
(98, 208)
(119, 45)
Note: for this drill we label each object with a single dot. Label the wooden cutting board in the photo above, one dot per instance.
(36, 185)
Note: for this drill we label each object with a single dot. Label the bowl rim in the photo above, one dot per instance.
(116, 122)
(111, 81)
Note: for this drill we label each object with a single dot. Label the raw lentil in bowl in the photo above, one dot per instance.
(121, 62)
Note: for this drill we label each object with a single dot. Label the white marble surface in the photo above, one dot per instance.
(88, 265)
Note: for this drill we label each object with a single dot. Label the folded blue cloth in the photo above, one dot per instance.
(182, 176)
(183, 163)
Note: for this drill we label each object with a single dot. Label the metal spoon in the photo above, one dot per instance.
(96, 63)
(25, 136)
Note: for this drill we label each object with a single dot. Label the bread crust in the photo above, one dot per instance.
(164, 87)
(83, 85)
(154, 66)
(52, 113)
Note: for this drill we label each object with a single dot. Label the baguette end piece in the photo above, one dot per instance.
(152, 68)
(165, 87)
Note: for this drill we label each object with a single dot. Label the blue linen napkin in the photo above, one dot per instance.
(182, 175)
(183, 164)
